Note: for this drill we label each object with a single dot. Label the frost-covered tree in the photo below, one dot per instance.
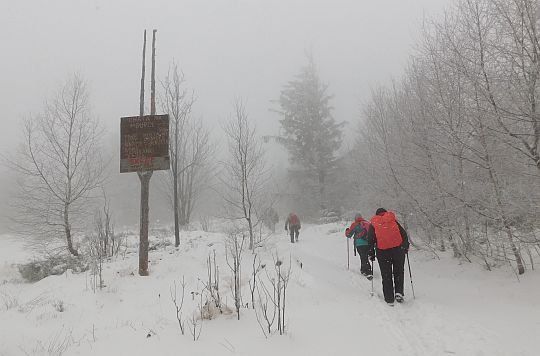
(190, 150)
(59, 166)
(310, 133)
(245, 177)
(453, 145)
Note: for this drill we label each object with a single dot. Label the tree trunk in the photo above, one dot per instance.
(504, 220)
(67, 229)
(500, 207)
(468, 239)
(441, 240)
(175, 189)
(251, 237)
(322, 202)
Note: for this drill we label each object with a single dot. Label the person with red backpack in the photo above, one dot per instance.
(292, 224)
(389, 240)
(359, 232)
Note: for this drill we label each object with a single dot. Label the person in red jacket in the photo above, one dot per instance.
(292, 224)
(389, 240)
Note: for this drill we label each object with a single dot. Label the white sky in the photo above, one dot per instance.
(227, 49)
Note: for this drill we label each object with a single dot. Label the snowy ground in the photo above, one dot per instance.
(459, 309)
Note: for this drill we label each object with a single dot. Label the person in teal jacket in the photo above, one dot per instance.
(359, 232)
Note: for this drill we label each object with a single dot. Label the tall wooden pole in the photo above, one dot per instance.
(144, 177)
(141, 100)
(153, 79)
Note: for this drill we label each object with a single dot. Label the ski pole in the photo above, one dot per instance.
(348, 253)
(372, 278)
(410, 275)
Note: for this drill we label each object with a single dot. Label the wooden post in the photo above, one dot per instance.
(145, 210)
(141, 100)
(144, 177)
(153, 79)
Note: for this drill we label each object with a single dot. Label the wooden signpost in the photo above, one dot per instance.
(144, 148)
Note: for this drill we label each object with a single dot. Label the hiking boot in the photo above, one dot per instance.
(399, 297)
(369, 276)
(390, 304)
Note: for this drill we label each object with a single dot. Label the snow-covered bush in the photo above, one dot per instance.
(54, 265)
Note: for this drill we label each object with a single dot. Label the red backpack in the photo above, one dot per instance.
(386, 231)
(293, 220)
(364, 228)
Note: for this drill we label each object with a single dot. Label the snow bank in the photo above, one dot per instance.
(459, 308)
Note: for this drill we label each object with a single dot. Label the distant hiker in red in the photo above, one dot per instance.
(292, 224)
(389, 240)
(359, 232)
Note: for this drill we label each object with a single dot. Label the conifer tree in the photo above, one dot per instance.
(310, 133)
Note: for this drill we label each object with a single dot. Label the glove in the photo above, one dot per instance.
(372, 257)
(405, 249)
(347, 231)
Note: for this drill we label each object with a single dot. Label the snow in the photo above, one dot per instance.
(459, 308)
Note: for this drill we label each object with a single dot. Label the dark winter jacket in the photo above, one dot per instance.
(359, 229)
(372, 237)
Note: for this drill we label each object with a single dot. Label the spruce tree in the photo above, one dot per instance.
(309, 131)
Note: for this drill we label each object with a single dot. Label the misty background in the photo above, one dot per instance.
(226, 49)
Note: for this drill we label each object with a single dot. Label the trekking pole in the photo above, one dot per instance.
(348, 253)
(410, 275)
(372, 278)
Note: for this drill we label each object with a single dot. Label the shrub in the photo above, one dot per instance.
(56, 265)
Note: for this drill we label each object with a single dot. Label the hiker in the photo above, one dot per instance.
(270, 219)
(292, 224)
(359, 231)
(389, 242)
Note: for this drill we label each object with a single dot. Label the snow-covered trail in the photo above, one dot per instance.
(460, 309)
(339, 302)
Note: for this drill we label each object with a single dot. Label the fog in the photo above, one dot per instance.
(226, 48)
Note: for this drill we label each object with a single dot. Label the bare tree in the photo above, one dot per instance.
(104, 229)
(257, 266)
(103, 243)
(212, 287)
(266, 309)
(59, 166)
(234, 245)
(273, 299)
(190, 149)
(179, 304)
(245, 175)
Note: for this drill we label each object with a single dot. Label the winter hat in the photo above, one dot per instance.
(357, 216)
(380, 211)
